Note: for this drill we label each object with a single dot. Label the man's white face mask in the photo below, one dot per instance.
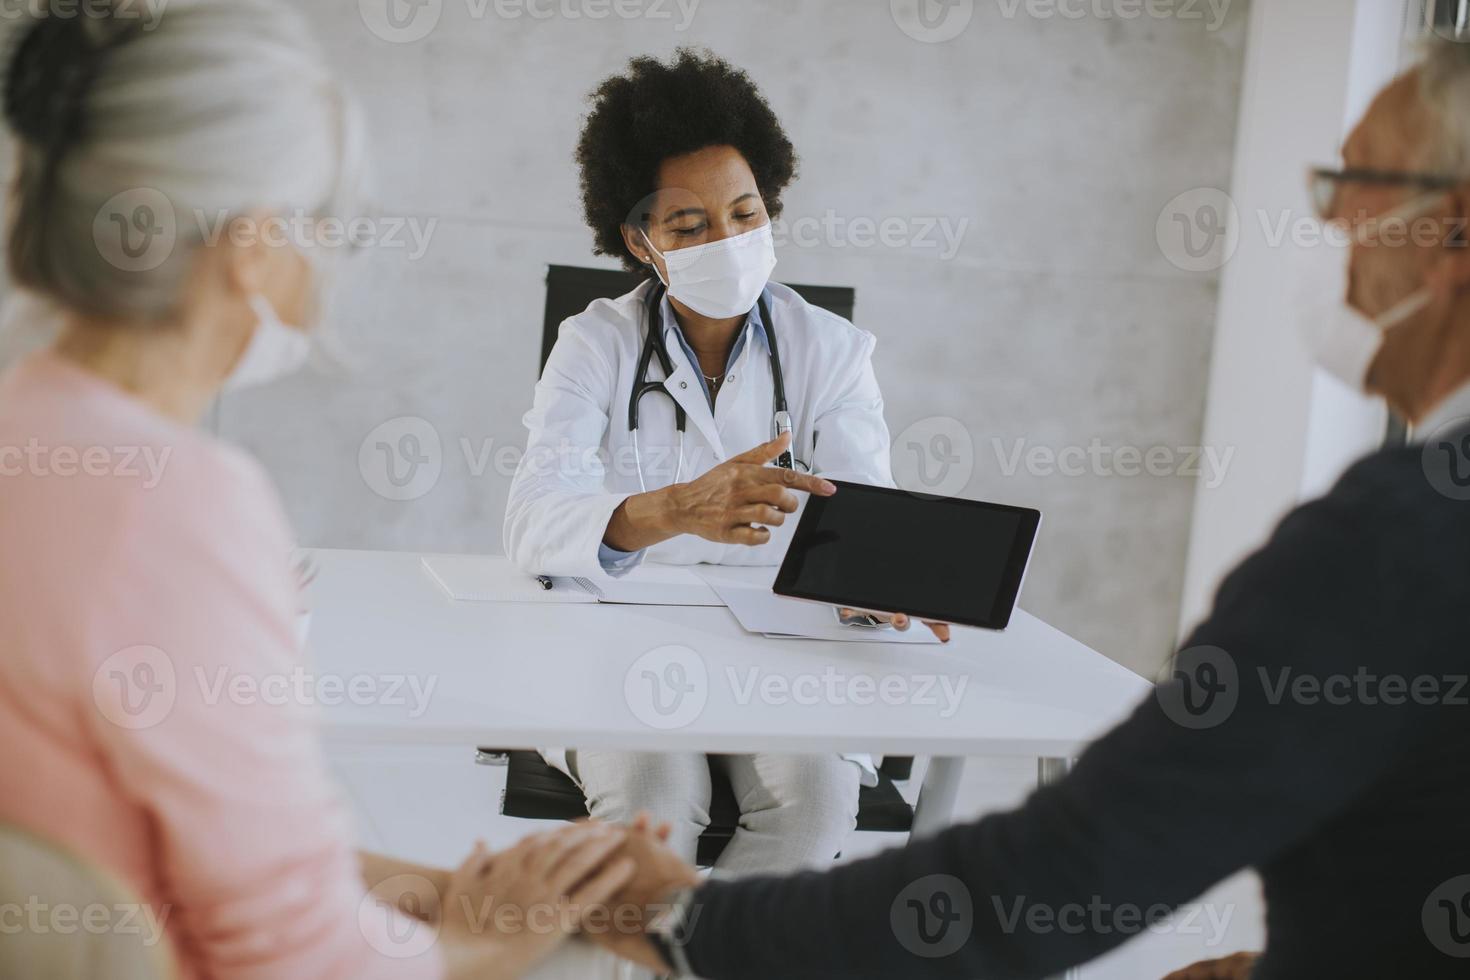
(720, 279)
(1343, 341)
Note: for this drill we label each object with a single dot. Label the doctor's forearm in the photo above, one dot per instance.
(642, 520)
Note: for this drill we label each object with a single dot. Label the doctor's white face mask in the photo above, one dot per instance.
(1343, 341)
(720, 279)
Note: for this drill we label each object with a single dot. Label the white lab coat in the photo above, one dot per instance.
(580, 463)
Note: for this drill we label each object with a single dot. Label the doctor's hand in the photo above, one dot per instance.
(901, 622)
(737, 502)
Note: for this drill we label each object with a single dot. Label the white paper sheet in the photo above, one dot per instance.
(652, 584)
(747, 591)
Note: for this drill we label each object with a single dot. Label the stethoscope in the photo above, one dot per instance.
(655, 346)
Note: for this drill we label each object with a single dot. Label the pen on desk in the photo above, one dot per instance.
(544, 581)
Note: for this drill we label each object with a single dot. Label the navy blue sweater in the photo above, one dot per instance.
(1315, 728)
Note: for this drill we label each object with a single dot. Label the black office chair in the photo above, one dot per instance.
(536, 791)
(571, 289)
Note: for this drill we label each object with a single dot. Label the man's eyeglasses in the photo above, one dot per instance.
(1324, 183)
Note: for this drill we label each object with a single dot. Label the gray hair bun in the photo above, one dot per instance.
(52, 69)
(135, 138)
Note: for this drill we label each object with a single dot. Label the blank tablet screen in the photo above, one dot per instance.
(960, 561)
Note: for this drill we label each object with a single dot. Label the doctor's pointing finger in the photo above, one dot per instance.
(729, 504)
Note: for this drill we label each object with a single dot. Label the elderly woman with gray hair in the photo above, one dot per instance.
(123, 599)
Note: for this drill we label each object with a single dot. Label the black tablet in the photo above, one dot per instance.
(884, 550)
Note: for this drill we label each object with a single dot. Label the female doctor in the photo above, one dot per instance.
(659, 414)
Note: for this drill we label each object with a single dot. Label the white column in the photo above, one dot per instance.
(1311, 68)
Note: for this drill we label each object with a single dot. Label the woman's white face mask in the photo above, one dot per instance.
(720, 279)
(275, 349)
(1343, 341)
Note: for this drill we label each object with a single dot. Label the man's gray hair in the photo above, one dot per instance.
(1444, 80)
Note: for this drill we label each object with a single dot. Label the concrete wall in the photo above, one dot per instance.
(1051, 347)
(1047, 144)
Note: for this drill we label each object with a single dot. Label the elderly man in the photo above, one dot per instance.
(1315, 726)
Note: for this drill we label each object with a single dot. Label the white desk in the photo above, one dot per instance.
(523, 675)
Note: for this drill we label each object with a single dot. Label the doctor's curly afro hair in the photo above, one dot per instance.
(657, 110)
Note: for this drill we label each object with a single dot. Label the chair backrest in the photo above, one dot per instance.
(571, 289)
(75, 922)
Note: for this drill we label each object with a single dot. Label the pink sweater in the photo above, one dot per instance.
(143, 566)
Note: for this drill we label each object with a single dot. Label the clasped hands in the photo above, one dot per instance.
(606, 884)
(603, 883)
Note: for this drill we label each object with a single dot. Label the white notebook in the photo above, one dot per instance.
(491, 578)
